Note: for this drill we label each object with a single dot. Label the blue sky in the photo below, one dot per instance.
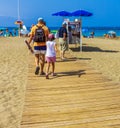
(105, 12)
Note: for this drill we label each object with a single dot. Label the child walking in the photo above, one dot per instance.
(50, 54)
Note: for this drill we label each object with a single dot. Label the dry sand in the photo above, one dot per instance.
(101, 54)
(13, 79)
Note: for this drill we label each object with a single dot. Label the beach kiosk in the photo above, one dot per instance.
(74, 32)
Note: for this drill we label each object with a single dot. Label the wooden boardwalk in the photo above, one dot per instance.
(78, 97)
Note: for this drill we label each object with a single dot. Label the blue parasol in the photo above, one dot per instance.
(62, 13)
(77, 13)
(81, 13)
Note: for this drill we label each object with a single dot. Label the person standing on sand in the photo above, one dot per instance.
(63, 40)
(39, 34)
(50, 54)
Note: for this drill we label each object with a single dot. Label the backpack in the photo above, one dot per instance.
(39, 34)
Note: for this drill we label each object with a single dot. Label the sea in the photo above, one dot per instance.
(99, 31)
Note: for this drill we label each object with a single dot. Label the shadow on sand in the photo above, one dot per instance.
(90, 49)
(78, 73)
(72, 59)
(67, 59)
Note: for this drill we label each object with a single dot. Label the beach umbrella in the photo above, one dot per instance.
(81, 13)
(62, 13)
(19, 22)
(111, 32)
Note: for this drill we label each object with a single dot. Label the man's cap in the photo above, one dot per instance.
(64, 23)
(40, 19)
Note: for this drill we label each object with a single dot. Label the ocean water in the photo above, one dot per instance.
(99, 31)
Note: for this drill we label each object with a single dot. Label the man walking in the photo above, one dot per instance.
(39, 35)
(63, 40)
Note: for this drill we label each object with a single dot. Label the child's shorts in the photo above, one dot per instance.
(51, 59)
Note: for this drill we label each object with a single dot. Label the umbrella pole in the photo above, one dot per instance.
(67, 37)
(80, 35)
(19, 30)
(19, 17)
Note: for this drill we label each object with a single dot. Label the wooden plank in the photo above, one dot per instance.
(77, 97)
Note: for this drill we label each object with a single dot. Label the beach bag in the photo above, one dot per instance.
(39, 34)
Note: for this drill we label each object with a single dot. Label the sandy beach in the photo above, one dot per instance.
(13, 79)
(101, 54)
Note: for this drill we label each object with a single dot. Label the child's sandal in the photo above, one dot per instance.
(47, 77)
